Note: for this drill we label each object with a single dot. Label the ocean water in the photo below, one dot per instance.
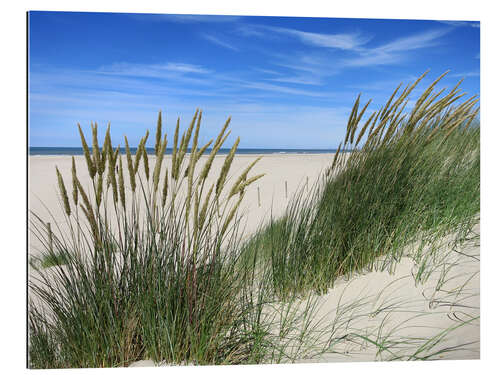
(33, 151)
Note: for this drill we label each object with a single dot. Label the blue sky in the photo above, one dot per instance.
(287, 82)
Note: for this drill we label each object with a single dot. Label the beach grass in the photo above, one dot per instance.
(158, 270)
(415, 179)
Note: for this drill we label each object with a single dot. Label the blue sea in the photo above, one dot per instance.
(79, 151)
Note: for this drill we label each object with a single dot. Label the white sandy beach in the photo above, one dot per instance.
(390, 309)
(284, 174)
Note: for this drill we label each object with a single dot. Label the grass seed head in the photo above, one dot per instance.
(73, 175)
(90, 164)
(64, 194)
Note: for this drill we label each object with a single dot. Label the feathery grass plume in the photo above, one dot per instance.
(93, 223)
(95, 148)
(221, 138)
(192, 163)
(105, 146)
(373, 123)
(352, 117)
(231, 215)
(130, 165)
(357, 119)
(373, 135)
(202, 150)
(90, 164)
(178, 159)
(363, 129)
(121, 182)
(186, 137)
(196, 211)
(146, 162)
(460, 112)
(159, 160)
(219, 141)
(424, 112)
(88, 211)
(138, 155)
(85, 197)
(236, 186)
(174, 149)
(334, 163)
(141, 150)
(165, 188)
(64, 193)
(421, 100)
(251, 180)
(395, 121)
(73, 174)
(388, 103)
(158, 134)
(98, 195)
(472, 117)
(225, 168)
(111, 171)
(203, 212)
(189, 131)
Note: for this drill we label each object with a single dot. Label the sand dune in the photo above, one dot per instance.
(377, 315)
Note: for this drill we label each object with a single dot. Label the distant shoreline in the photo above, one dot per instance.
(61, 151)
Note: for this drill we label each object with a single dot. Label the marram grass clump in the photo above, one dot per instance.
(416, 172)
(145, 268)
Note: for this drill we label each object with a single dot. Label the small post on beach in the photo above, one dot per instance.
(307, 182)
(286, 190)
(258, 195)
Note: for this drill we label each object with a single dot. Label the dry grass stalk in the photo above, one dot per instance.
(357, 119)
(231, 215)
(158, 134)
(236, 186)
(90, 164)
(140, 151)
(146, 162)
(352, 117)
(130, 165)
(174, 149)
(64, 194)
(165, 188)
(204, 208)
(363, 129)
(95, 149)
(192, 162)
(111, 171)
(225, 168)
(75, 187)
(98, 195)
(121, 182)
(159, 160)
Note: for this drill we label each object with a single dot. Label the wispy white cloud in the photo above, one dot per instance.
(416, 41)
(343, 41)
(173, 71)
(272, 75)
(183, 18)
(282, 89)
(218, 41)
(394, 52)
(340, 41)
(153, 69)
(475, 24)
(298, 79)
(465, 74)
